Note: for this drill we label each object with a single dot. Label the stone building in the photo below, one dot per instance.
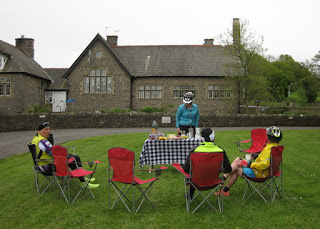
(22, 80)
(107, 76)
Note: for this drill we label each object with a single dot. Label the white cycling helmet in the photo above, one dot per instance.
(274, 133)
(188, 97)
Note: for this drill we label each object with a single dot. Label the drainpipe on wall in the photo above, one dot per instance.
(130, 102)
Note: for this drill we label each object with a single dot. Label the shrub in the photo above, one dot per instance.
(117, 110)
(152, 109)
(40, 109)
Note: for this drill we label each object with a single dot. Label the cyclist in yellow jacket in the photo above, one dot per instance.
(43, 141)
(258, 168)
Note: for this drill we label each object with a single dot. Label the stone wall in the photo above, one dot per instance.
(15, 122)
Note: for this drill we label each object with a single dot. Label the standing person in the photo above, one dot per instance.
(210, 147)
(187, 115)
(43, 141)
(258, 168)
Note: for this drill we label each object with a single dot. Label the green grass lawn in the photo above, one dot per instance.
(22, 207)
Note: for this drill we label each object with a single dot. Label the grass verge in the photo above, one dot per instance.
(22, 207)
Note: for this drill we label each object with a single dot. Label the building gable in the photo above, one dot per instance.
(20, 62)
(87, 54)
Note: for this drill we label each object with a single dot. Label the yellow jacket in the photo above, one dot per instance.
(44, 155)
(261, 165)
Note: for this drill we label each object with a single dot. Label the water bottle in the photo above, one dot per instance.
(154, 127)
(197, 133)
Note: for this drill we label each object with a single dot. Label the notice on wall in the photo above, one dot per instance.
(166, 119)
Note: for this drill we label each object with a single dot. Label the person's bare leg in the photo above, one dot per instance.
(234, 177)
(235, 165)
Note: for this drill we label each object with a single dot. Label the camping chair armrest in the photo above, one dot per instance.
(158, 170)
(71, 147)
(239, 142)
(178, 167)
(90, 163)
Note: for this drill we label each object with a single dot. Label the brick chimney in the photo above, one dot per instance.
(112, 40)
(208, 41)
(26, 45)
(236, 31)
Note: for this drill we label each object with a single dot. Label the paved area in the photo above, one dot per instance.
(12, 143)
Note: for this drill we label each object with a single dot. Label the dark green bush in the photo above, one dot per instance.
(152, 109)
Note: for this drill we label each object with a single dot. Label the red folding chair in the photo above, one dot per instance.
(68, 179)
(274, 181)
(204, 175)
(258, 141)
(122, 163)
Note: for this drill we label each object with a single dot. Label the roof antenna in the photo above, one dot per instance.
(107, 31)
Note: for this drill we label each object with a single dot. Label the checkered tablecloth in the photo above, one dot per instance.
(156, 152)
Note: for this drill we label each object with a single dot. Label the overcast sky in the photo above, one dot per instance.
(62, 29)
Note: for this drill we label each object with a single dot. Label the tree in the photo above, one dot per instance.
(315, 64)
(285, 72)
(281, 75)
(246, 49)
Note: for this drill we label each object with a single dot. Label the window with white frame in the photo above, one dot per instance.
(150, 92)
(48, 97)
(97, 82)
(180, 90)
(219, 92)
(5, 86)
(98, 54)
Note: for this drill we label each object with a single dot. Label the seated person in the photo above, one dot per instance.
(207, 146)
(258, 168)
(43, 141)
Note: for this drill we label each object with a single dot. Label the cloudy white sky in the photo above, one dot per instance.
(63, 28)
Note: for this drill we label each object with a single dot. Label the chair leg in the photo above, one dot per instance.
(144, 194)
(277, 187)
(36, 181)
(133, 204)
(120, 194)
(62, 189)
(255, 190)
(49, 183)
(187, 194)
(205, 199)
(83, 190)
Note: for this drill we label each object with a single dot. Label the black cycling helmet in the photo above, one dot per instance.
(274, 134)
(43, 125)
(188, 97)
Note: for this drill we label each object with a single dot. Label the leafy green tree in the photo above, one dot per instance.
(311, 86)
(315, 63)
(285, 73)
(278, 82)
(246, 49)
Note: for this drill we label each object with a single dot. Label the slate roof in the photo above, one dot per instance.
(58, 81)
(20, 62)
(174, 60)
(167, 60)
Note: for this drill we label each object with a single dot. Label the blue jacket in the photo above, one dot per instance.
(187, 117)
